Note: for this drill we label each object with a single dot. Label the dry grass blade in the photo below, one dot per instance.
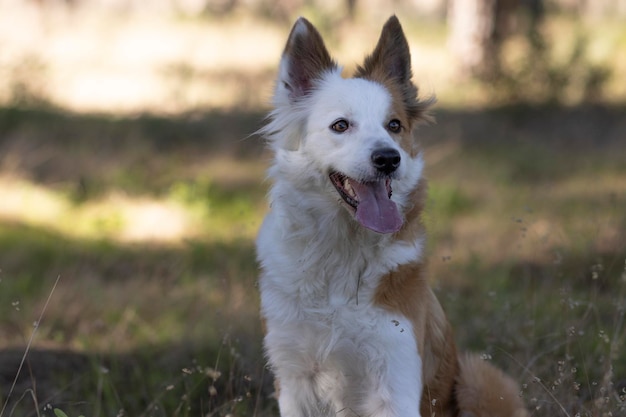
(28, 345)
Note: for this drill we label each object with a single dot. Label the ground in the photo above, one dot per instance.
(145, 219)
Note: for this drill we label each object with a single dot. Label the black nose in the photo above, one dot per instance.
(386, 160)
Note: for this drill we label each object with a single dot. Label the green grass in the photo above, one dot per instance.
(526, 251)
(531, 267)
(134, 325)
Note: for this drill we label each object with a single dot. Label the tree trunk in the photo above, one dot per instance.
(477, 28)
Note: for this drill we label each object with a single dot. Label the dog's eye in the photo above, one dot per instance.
(340, 126)
(394, 126)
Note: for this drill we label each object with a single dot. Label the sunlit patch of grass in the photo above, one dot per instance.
(224, 211)
(29, 202)
(190, 209)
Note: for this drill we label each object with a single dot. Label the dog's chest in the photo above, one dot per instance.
(322, 284)
(323, 297)
(323, 277)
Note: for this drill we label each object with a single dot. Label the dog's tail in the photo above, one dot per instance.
(482, 390)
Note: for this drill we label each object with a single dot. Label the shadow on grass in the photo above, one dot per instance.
(557, 327)
(88, 155)
(176, 380)
(530, 145)
(146, 154)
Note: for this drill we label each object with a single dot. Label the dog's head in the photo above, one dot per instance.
(350, 138)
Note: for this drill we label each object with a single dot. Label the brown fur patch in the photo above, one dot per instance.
(485, 391)
(413, 227)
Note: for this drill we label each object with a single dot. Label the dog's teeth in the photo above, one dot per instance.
(348, 188)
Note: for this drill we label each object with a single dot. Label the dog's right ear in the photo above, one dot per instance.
(304, 60)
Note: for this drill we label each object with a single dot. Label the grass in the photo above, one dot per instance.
(148, 217)
(126, 298)
(526, 251)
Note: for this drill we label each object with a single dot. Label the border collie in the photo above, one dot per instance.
(352, 327)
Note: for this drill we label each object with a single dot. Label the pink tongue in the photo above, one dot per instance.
(376, 210)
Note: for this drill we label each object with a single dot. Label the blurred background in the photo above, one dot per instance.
(132, 186)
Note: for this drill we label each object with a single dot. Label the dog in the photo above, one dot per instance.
(352, 327)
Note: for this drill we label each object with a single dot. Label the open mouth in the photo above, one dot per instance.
(344, 187)
(370, 202)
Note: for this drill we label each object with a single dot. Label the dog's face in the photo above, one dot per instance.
(352, 135)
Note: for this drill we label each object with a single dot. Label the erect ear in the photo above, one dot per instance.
(391, 58)
(304, 60)
(390, 63)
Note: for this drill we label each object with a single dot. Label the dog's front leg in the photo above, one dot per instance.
(298, 398)
(394, 381)
(395, 395)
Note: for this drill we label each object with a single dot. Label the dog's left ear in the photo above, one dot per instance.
(391, 58)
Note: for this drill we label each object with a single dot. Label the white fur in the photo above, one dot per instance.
(333, 351)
